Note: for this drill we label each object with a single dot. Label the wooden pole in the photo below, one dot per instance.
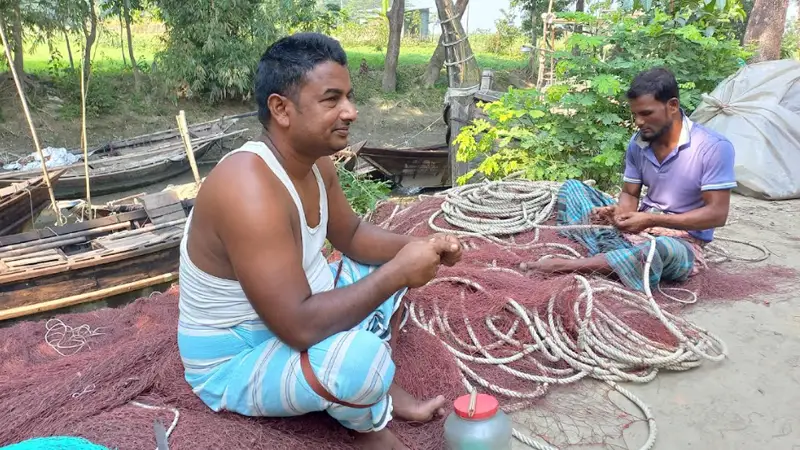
(84, 144)
(72, 300)
(35, 137)
(187, 142)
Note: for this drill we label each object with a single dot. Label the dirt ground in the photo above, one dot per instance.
(749, 400)
(380, 122)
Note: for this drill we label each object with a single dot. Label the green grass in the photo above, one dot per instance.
(111, 85)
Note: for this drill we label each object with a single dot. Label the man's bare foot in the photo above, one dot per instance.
(379, 440)
(406, 407)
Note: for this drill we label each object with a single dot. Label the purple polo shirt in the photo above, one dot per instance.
(703, 161)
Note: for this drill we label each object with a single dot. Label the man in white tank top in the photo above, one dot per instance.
(267, 327)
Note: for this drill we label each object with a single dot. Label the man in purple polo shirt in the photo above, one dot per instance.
(688, 170)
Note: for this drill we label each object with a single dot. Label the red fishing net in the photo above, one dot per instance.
(465, 331)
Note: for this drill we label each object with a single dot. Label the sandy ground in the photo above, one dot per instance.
(749, 400)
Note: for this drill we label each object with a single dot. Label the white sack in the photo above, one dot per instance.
(54, 157)
(758, 110)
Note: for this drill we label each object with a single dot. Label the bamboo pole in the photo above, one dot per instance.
(72, 300)
(35, 137)
(84, 145)
(187, 142)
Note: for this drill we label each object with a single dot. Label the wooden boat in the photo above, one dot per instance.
(92, 260)
(139, 161)
(422, 167)
(22, 202)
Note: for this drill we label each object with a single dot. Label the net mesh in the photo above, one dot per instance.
(460, 323)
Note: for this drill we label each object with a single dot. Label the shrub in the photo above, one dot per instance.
(579, 126)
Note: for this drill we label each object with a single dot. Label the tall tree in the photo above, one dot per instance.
(436, 63)
(89, 33)
(765, 28)
(395, 16)
(126, 8)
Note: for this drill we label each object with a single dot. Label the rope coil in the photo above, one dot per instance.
(601, 345)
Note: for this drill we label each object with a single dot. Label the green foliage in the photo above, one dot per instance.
(580, 125)
(362, 193)
(212, 48)
(508, 36)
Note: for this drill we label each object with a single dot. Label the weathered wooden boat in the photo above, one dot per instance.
(21, 203)
(420, 167)
(139, 161)
(81, 262)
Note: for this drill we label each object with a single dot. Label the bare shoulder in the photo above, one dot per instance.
(240, 204)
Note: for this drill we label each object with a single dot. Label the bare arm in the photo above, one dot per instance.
(629, 198)
(256, 230)
(359, 240)
(713, 214)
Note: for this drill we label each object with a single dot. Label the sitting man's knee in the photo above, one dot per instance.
(367, 368)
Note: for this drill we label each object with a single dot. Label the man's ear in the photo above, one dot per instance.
(278, 108)
(673, 105)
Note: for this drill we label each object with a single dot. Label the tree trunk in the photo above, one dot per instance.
(91, 35)
(122, 41)
(462, 68)
(395, 16)
(765, 28)
(439, 55)
(127, 6)
(69, 49)
(19, 53)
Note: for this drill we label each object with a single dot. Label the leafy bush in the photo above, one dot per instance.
(579, 126)
(362, 193)
(212, 48)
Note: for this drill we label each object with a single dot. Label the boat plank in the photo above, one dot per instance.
(72, 228)
(85, 261)
(88, 279)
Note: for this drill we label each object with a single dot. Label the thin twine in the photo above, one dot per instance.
(66, 340)
(606, 347)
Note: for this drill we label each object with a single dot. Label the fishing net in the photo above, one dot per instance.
(553, 348)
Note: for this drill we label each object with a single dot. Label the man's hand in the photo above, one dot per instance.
(604, 214)
(634, 222)
(451, 255)
(419, 260)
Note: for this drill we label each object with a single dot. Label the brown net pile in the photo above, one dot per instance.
(484, 324)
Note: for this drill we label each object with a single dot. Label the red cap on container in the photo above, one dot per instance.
(486, 406)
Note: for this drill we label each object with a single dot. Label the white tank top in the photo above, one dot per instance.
(217, 302)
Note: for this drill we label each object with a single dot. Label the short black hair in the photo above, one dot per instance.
(286, 62)
(658, 82)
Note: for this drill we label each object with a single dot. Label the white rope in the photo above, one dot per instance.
(175, 413)
(604, 347)
(66, 340)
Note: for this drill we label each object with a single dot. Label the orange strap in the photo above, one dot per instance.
(318, 388)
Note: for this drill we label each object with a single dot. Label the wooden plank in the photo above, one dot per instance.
(32, 261)
(72, 300)
(72, 228)
(97, 277)
(92, 261)
(98, 230)
(159, 199)
(36, 248)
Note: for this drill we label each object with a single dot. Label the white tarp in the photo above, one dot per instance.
(54, 157)
(758, 110)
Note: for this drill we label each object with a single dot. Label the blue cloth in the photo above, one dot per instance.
(246, 369)
(703, 161)
(673, 260)
(55, 443)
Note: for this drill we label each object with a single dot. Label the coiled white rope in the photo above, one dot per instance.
(604, 347)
